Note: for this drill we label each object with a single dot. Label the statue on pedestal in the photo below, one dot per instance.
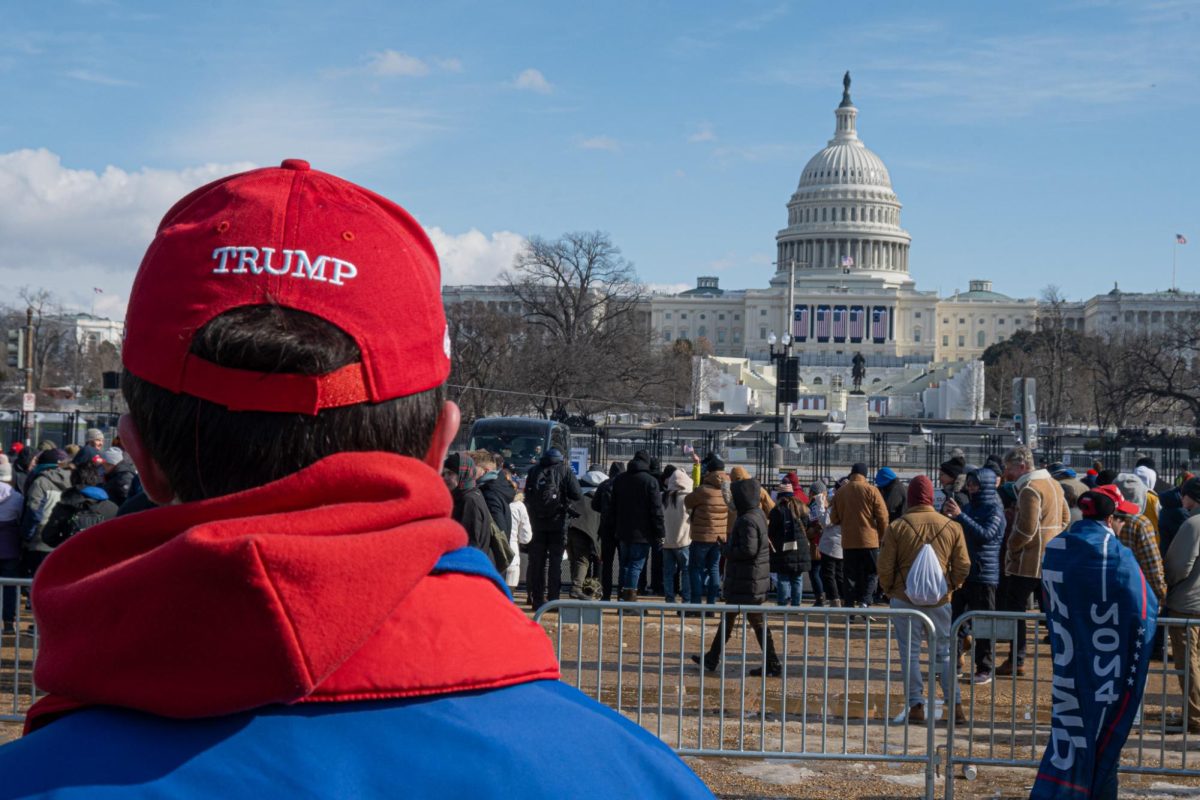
(859, 372)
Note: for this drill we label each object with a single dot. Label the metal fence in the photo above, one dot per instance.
(1008, 720)
(840, 694)
(18, 651)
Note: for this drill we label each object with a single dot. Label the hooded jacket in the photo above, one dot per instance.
(583, 518)
(42, 492)
(919, 526)
(11, 505)
(675, 513)
(764, 497)
(470, 510)
(308, 645)
(893, 490)
(983, 522)
(565, 482)
(858, 508)
(498, 494)
(1041, 514)
(787, 526)
(636, 513)
(710, 513)
(120, 482)
(1171, 516)
(748, 560)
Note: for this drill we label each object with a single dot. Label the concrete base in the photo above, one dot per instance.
(858, 427)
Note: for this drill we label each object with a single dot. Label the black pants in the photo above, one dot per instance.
(10, 568)
(832, 578)
(608, 562)
(656, 570)
(725, 630)
(976, 597)
(1014, 596)
(547, 544)
(862, 577)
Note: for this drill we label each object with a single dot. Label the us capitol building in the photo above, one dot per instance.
(853, 293)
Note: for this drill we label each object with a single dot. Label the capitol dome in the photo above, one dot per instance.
(844, 215)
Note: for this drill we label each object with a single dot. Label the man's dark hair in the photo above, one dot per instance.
(88, 473)
(206, 450)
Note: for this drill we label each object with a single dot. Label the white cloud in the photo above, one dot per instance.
(704, 133)
(69, 230)
(473, 257)
(450, 64)
(606, 143)
(87, 76)
(534, 81)
(392, 63)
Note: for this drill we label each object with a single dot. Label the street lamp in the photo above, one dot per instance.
(779, 356)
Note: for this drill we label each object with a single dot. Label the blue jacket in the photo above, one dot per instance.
(983, 526)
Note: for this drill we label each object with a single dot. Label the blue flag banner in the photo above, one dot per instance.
(1101, 621)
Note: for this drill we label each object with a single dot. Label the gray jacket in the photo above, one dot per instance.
(1182, 565)
(42, 493)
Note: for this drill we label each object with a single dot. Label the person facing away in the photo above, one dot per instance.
(678, 540)
(859, 509)
(902, 550)
(893, 490)
(470, 510)
(83, 505)
(318, 625)
(608, 538)
(550, 488)
(747, 578)
(583, 533)
(708, 505)
(787, 529)
(1182, 564)
(635, 517)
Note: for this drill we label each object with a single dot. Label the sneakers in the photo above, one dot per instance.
(773, 671)
(708, 665)
(981, 678)
(916, 713)
(1007, 668)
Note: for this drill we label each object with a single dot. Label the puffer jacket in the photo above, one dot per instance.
(709, 511)
(1042, 514)
(905, 538)
(675, 513)
(858, 508)
(1171, 516)
(636, 512)
(983, 523)
(748, 562)
(787, 526)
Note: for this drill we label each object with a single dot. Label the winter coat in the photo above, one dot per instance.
(675, 513)
(982, 521)
(498, 493)
(1183, 568)
(120, 482)
(787, 527)
(895, 499)
(748, 562)
(906, 536)
(830, 541)
(636, 512)
(585, 519)
(709, 511)
(520, 533)
(471, 511)
(764, 497)
(74, 500)
(858, 508)
(601, 500)
(45, 486)
(11, 505)
(1171, 516)
(568, 492)
(1042, 514)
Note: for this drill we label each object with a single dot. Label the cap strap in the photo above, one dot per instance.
(250, 390)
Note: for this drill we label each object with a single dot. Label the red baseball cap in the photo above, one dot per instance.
(294, 237)
(1114, 494)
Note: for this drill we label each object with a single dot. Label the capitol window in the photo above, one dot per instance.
(1000, 321)
(720, 316)
(720, 336)
(762, 312)
(737, 316)
(683, 315)
(666, 334)
(702, 331)
(762, 333)
(737, 336)
(918, 315)
(962, 341)
(667, 315)
(980, 339)
(683, 333)
(945, 341)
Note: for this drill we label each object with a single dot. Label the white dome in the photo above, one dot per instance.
(842, 164)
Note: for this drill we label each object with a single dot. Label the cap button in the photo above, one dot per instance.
(296, 164)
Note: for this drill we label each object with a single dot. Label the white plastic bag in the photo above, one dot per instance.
(926, 582)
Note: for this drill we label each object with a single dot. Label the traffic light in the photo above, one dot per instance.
(15, 351)
(789, 380)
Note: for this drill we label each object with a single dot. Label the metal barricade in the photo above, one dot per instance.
(840, 695)
(1008, 720)
(18, 651)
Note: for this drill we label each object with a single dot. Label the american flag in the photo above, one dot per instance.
(800, 323)
(879, 324)
(97, 290)
(847, 261)
(823, 323)
(856, 323)
(1180, 239)
(839, 323)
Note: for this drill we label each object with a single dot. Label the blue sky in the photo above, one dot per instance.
(1031, 143)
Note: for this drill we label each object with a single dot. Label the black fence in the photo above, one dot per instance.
(60, 427)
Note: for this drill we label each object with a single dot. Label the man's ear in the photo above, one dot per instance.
(443, 435)
(154, 480)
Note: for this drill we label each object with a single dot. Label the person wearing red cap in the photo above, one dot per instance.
(300, 616)
(902, 554)
(1135, 532)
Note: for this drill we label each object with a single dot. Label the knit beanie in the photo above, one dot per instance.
(859, 469)
(920, 491)
(884, 477)
(954, 467)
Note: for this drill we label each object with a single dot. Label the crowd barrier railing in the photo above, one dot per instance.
(841, 693)
(1008, 720)
(18, 651)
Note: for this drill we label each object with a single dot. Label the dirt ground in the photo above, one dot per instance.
(812, 732)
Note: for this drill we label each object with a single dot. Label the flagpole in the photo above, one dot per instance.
(1174, 255)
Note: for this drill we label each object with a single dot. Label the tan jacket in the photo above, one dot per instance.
(1042, 514)
(710, 513)
(859, 508)
(905, 538)
(764, 497)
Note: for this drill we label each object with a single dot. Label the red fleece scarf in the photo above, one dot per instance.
(313, 588)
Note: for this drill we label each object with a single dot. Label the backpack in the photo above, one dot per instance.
(69, 519)
(543, 499)
(926, 582)
(499, 548)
